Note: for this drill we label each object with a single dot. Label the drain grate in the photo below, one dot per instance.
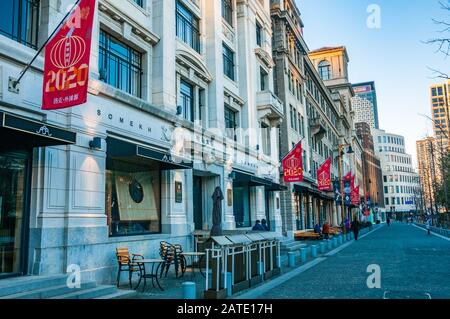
(406, 295)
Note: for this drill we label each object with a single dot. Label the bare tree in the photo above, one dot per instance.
(442, 42)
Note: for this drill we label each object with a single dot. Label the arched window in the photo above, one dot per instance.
(325, 70)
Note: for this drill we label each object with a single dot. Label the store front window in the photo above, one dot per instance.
(241, 206)
(133, 199)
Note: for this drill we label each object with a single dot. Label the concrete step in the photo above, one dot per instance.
(119, 294)
(18, 285)
(49, 292)
(91, 293)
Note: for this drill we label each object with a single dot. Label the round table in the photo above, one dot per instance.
(153, 275)
(195, 255)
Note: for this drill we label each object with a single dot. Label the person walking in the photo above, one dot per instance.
(355, 227)
(388, 220)
(326, 231)
(428, 224)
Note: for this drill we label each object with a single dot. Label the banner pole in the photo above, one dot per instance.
(27, 67)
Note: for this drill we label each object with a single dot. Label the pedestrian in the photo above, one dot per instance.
(355, 227)
(326, 231)
(388, 220)
(264, 225)
(258, 226)
(428, 224)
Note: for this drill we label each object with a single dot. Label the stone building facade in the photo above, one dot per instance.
(181, 98)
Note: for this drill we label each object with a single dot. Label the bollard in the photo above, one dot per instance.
(340, 240)
(189, 290)
(314, 251)
(303, 254)
(291, 258)
(344, 238)
(330, 244)
(349, 237)
(260, 266)
(229, 279)
(323, 247)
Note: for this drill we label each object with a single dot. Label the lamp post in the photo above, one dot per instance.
(341, 178)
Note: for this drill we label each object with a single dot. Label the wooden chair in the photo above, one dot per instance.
(127, 263)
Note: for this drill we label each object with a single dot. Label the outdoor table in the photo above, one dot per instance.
(193, 256)
(153, 275)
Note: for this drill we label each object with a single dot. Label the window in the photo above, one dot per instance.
(263, 79)
(187, 100)
(433, 92)
(258, 34)
(325, 70)
(292, 115)
(19, 21)
(265, 134)
(120, 65)
(188, 27)
(227, 11)
(139, 2)
(228, 62)
(133, 199)
(230, 123)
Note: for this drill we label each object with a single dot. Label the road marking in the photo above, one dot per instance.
(433, 233)
(265, 287)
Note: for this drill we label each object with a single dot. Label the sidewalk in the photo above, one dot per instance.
(173, 288)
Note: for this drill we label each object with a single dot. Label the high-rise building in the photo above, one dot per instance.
(365, 104)
(400, 181)
(430, 175)
(372, 173)
(440, 112)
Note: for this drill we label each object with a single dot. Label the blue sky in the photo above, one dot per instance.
(394, 56)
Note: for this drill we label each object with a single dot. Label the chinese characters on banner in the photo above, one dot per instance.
(293, 165)
(355, 196)
(67, 55)
(324, 176)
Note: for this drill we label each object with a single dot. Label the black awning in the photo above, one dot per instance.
(277, 188)
(249, 179)
(20, 131)
(141, 155)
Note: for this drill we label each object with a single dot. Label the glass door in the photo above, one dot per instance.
(12, 206)
(198, 203)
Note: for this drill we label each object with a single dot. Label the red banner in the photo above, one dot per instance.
(293, 165)
(67, 56)
(355, 196)
(324, 176)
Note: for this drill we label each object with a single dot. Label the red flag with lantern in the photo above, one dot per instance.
(67, 56)
(355, 196)
(293, 165)
(324, 176)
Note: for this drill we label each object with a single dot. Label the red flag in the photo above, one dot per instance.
(293, 165)
(352, 181)
(324, 176)
(348, 177)
(355, 196)
(67, 56)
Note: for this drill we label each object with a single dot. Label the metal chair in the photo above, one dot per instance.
(171, 254)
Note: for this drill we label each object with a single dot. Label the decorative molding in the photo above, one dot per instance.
(139, 30)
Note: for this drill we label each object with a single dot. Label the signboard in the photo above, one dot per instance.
(362, 89)
(293, 165)
(178, 192)
(347, 192)
(324, 176)
(67, 56)
(337, 192)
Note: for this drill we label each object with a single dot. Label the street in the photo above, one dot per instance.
(413, 265)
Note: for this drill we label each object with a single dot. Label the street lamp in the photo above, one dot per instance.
(341, 154)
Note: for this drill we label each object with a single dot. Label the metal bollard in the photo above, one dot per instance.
(229, 280)
(330, 244)
(259, 266)
(314, 251)
(335, 242)
(340, 240)
(323, 247)
(189, 290)
(303, 254)
(291, 259)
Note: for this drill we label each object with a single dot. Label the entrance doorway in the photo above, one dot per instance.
(198, 203)
(13, 205)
